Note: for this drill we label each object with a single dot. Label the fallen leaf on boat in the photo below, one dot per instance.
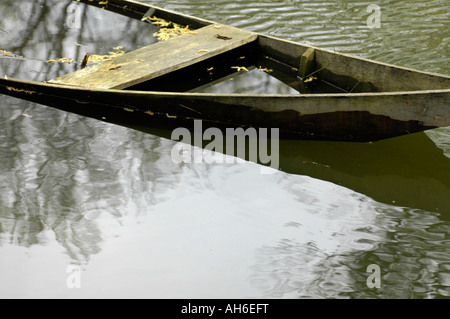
(240, 68)
(95, 58)
(158, 21)
(9, 88)
(149, 113)
(265, 70)
(6, 53)
(210, 69)
(168, 29)
(61, 60)
(310, 79)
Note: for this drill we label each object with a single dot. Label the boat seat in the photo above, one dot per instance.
(160, 58)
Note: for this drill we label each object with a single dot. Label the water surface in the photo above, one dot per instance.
(76, 191)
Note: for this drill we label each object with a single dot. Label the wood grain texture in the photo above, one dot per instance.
(157, 59)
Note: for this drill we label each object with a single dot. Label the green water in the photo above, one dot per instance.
(76, 191)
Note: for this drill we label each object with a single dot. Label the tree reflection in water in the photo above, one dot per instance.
(50, 179)
(410, 248)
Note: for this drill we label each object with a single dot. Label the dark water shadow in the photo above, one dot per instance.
(406, 171)
(409, 171)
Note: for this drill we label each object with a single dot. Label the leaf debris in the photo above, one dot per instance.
(310, 79)
(168, 30)
(10, 88)
(240, 68)
(60, 60)
(265, 69)
(6, 53)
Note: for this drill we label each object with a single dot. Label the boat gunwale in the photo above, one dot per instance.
(351, 56)
(212, 95)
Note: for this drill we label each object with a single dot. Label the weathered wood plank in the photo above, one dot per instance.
(161, 58)
(306, 63)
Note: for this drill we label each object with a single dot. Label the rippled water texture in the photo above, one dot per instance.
(76, 191)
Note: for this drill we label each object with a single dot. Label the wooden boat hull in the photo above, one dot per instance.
(344, 117)
(376, 100)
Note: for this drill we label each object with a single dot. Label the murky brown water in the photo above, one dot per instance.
(75, 191)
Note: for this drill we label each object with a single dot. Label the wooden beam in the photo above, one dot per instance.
(307, 63)
(160, 58)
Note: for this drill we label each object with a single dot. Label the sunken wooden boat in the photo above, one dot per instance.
(341, 97)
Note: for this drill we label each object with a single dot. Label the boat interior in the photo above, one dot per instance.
(265, 65)
(277, 66)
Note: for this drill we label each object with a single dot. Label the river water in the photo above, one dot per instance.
(91, 209)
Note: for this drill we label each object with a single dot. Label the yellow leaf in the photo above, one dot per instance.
(240, 68)
(310, 79)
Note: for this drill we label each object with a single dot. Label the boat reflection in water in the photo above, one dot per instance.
(410, 171)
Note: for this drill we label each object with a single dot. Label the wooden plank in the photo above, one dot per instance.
(161, 58)
(306, 63)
